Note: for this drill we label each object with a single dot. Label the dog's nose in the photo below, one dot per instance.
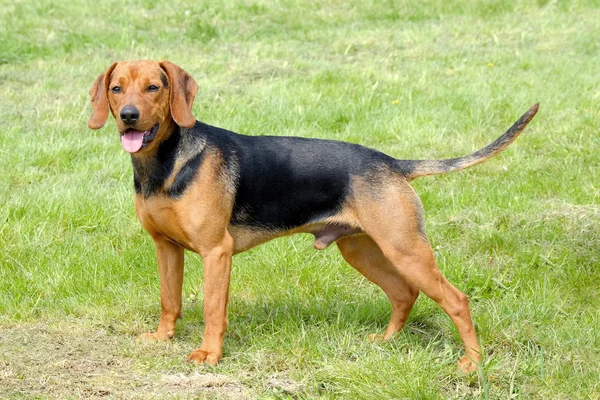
(129, 114)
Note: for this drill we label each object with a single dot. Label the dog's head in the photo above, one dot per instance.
(146, 98)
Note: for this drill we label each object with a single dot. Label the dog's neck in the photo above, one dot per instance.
(152, 170)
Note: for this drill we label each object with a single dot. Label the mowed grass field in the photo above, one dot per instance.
(520, 234)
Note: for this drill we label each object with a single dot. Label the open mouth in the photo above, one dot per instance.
(132, 140)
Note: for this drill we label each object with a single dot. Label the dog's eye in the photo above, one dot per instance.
(153, 88)
(116, 89)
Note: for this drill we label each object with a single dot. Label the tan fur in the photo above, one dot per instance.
(99, 96)
(182, 93)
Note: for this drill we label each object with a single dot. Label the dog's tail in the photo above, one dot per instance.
(416, 168)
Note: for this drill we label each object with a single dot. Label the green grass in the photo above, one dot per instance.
(520, 234)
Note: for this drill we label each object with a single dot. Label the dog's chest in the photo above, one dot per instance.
(163, 217)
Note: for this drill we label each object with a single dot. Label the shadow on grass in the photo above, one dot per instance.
(279, 323)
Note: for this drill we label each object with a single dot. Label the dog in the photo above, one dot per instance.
(218, 193)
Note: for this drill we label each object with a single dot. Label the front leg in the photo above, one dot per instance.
(217, 273)
(170, 266)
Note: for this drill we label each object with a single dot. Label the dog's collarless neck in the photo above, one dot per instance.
(150, 171)
(173, 167)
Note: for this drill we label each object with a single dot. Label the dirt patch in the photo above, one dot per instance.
(88, 362)
(225, 386)
(283, 385)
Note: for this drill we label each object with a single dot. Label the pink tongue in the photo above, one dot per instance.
(132, 141)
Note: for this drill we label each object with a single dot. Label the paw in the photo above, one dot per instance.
(152, 337)
(467, 365)
(200, 356)
(376, 338)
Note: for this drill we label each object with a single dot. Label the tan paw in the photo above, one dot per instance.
(200, 356)
(376, 338)
(151, 337)
(467, 365)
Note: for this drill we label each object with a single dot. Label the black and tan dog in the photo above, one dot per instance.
(218, 193)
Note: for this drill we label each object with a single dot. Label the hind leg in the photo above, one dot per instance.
(366, 257)
(394, 220)
(418, 267)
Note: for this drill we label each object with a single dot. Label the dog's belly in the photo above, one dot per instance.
(325, 233)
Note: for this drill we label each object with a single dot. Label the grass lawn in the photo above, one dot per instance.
(520, 235)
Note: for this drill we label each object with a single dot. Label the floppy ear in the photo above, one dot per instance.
(182, 90)
(99, 96)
